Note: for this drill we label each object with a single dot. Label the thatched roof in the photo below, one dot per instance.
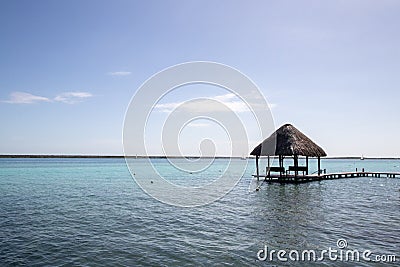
(288, 141)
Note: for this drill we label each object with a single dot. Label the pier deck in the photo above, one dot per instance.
(276, 178)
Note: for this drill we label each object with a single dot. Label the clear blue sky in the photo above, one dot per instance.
(69, 68)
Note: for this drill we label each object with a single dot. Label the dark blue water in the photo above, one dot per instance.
(64, 212)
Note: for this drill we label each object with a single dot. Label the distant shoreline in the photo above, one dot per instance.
(162, 157)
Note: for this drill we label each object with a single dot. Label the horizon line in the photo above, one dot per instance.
(159, 156)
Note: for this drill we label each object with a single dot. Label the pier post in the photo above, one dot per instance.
(307, 165)
(319, 166)
(258, 172)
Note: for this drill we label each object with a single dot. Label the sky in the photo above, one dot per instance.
(68, 69)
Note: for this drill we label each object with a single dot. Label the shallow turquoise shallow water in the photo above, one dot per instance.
(63, 212)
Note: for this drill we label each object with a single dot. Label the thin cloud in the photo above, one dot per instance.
(225, 98)
(72, 97)
(66, 97)
(25, 98)
(167, 107)
(120, 73)
(230, 100)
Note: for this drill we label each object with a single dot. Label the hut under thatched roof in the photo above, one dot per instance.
(288, 141)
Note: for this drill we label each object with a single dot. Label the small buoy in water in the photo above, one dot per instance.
(257, 189)
(191, 172)
(151, 181)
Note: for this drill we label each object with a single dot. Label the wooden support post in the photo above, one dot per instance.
(307, 165)
(269, 166)
(319, 165)
(258, 172)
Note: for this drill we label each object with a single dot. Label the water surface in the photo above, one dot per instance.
(63, 212)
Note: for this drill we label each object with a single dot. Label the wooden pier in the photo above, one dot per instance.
(288, 141)
(287, 178)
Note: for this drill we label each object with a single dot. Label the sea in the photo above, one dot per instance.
(91, 212)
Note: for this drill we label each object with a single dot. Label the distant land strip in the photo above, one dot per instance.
(163, 157)
(105, 156)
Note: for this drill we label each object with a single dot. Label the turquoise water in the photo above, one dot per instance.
(64, 212)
